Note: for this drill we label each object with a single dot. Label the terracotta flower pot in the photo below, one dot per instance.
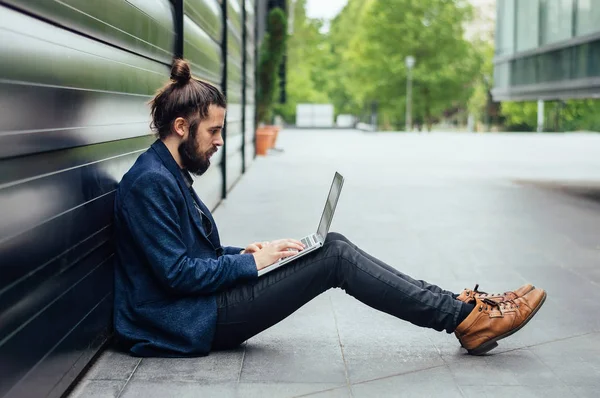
(274, 130)
(275, 133)
(264, 140)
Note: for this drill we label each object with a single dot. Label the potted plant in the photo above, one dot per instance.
(271, 54)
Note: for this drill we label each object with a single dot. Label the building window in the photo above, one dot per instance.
(594, 59)
(581, 60)
(555, 66)
(588, 17)
(502, 75)
(524, 71)
(527, 24)
(505, 25)
(556, 20)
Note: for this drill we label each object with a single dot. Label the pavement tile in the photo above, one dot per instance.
(179, 389)
(585, 391)
(376, 344)
(575, 361)
(303, 348)
(281, 359)
(98, 389)
(434, 382)
(219, 366)
(284, 390)
(112, 365)
(517, 391)
(152, 389)
(519, 367)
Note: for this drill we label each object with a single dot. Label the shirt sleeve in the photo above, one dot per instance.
(150, 210)
(232, 249)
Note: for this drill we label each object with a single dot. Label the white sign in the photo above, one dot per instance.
(314, 115)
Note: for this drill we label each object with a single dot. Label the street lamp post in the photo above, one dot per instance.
(486, 79)
(410, 62)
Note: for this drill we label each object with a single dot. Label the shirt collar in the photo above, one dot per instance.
(187, 177)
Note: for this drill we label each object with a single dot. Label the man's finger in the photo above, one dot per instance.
(288, 253)
(297, 246)
(252, 248)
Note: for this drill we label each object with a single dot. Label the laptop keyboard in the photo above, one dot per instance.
(308, 241)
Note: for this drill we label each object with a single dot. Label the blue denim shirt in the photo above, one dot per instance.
(168, 269)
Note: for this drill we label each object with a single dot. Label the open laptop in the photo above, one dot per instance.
(316, 240)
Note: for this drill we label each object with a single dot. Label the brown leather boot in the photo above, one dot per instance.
(469, 295)
(491, 320)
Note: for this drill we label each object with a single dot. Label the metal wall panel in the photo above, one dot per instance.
(236, 128)
(75, 79)
(234, 43)
(141, 26)
(249, 49)
(207, 14)
(234, 169)
(234, 91)
(234, 14)
(249, 152)
(202, 52)
(234, 110)
(235, 144)
(250, 20)
(44, 54)
(234, 74)
(249, 128)
(250, 95)
(208, 186)
(69, 107)
(59, 89)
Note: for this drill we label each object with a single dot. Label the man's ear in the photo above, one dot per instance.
(180, 127)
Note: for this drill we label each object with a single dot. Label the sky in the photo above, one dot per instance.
(326, 9)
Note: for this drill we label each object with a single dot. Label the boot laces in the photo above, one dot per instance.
(501, 306)
(484, 294)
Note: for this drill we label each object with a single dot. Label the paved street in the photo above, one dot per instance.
(453, 209)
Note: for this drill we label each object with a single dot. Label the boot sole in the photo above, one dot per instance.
(491, 344)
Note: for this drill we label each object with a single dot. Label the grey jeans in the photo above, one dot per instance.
(247, 309)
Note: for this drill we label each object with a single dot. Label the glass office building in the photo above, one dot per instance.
(547, 50)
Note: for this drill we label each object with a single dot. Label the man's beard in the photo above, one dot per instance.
(195, 162)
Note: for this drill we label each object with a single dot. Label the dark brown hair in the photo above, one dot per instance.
(184, 96)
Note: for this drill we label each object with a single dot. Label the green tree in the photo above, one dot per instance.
(387, 32)
(519, 116)
(271, 54)
(339, 72)
(306, 57)
(572, 115)
(480, 101)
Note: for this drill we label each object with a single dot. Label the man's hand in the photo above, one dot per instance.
(273, 251)
(254, 247)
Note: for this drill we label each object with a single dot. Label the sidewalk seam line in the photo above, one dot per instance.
(447, 366)
(129, 378)
(242, 363)
(337, 330)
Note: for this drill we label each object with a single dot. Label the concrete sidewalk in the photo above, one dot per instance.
(454, 209)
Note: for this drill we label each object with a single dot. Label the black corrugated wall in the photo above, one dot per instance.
(75, 79)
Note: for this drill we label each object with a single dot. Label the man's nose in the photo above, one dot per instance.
(219, 140)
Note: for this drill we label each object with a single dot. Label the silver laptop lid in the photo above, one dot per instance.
(330, 204)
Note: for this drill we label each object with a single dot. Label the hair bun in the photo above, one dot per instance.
(180, 71)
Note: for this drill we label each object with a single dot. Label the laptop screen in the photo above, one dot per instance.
(332, 199)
